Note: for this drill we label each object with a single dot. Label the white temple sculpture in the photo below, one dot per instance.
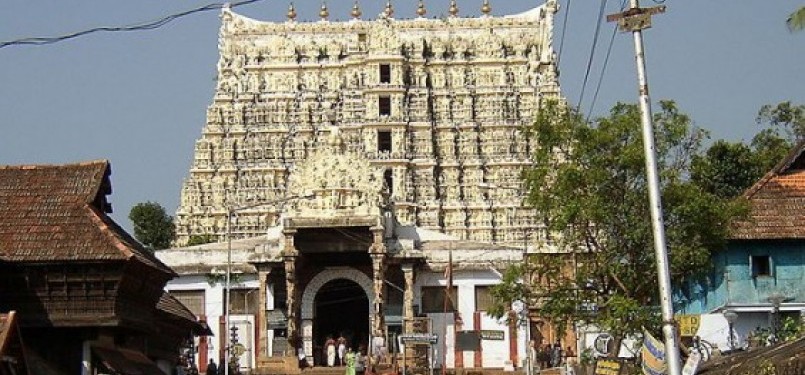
(434, 106)
(361, 169)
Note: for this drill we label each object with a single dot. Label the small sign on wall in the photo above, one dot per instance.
(468, 341)
(487, 334)
(688, 325)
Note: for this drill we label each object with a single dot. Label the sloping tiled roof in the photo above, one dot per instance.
(777, 202)
(55, 213)
(171, 305)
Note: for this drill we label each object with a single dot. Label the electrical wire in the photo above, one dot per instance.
(604, 67)
(564, 28)
(150, 25)
(592, 49)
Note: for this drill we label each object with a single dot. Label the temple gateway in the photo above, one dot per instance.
(361, 179)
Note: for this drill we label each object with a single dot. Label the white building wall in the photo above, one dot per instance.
(495, 352)
(214, 311)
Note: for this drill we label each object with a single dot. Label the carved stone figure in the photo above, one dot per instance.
(463, 94)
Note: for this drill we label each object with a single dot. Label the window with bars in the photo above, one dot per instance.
(433, 299)
(244, 301)
(192, 299)
(483, 297)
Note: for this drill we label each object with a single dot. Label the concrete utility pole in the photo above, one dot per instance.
(635, 19)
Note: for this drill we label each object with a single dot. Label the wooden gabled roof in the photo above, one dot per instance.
(777, 202)
(57, 213)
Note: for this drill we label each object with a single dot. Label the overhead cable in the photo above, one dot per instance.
(150, 25)
(564, 28)
(592, 49)
(604, 66)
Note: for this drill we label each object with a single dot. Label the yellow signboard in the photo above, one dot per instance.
(607, 367)
(688, 325)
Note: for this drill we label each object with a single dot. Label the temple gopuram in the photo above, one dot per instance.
(361, 180)
(436, 106)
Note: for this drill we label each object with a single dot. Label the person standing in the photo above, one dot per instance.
(360, 360)
(350, 361)
(212, 368)
(342, 350)
(329, 347)
(556, 354)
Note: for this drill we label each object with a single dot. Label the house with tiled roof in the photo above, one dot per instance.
(760, 275)
(81, 286)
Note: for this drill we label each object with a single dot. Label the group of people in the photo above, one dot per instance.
(213, 369)
(335, 351)
(339, 352)
(547, 355)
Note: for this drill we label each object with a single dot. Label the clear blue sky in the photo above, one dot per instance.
(139, 98)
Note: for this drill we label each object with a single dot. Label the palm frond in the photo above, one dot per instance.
(796, 21)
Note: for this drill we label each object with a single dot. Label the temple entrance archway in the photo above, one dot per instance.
(335, 300)
(341, 310)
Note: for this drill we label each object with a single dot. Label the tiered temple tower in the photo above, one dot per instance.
(436, 106)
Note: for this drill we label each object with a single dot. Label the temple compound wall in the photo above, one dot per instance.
(437, 106)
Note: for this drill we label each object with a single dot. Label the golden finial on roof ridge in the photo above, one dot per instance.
(356, 10)
(324, 13)
(453, 10)
(389, 9)
(420, 9)
(291, 12)
(486, 8)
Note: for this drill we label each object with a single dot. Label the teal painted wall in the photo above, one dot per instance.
(731, 280)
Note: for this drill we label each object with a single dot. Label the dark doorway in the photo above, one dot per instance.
(342, 308)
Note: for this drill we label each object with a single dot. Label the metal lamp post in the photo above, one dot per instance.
(731, 317)
(776, 300)
(230, 211)
(519, 307)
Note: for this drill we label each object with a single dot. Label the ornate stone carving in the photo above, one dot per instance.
(458, 91)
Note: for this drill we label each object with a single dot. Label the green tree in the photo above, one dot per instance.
(201, 239)
(786, 119)
(153, 227)
(796, 21)
(727, 169)
(588, 185)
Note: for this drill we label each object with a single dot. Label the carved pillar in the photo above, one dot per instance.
(262, 324)
(289, 256)
(408, 295)
(378, 253)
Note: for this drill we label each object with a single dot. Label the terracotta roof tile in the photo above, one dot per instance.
(58, 213)
(171, 305)
(777, 202)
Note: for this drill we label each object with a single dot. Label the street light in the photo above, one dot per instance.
(776, 300)
(519, 307)
(731, 317)
(228, 286)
